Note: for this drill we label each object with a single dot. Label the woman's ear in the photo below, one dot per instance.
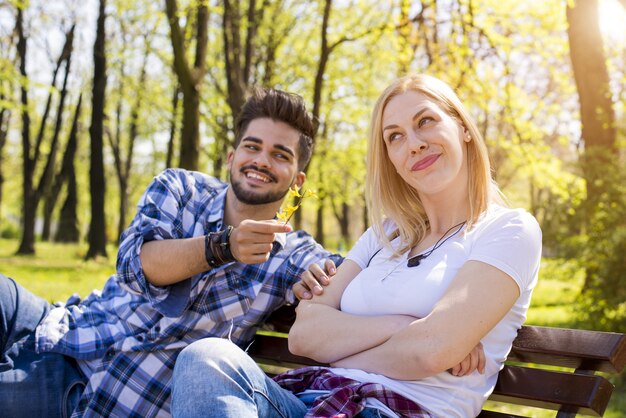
(467, 137)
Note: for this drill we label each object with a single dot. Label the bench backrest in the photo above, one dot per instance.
(528, 378)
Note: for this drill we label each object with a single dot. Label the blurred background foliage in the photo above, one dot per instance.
(98, 96)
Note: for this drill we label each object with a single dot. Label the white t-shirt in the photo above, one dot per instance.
(508, 239)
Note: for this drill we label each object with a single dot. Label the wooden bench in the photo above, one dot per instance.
(529, 377)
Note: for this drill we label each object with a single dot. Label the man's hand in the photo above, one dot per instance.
(251, 241)
(312, 280)
(474, 360)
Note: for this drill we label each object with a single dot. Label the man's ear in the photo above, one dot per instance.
(300, 178)
(229, 158)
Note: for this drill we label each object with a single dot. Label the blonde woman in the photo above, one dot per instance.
(444, 269)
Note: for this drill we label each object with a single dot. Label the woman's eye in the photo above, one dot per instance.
(393, 137)
(423, 121)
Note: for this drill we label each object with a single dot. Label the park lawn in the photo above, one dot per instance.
(58, 270)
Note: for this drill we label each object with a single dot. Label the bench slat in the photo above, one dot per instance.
(549, 389)
(269, 349)
(578, 349)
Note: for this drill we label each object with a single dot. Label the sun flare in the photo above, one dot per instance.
(612, 19)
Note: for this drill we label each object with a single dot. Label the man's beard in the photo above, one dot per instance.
(250, 197)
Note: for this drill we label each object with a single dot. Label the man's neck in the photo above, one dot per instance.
(236, 211)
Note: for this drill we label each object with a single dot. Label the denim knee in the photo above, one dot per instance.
(212, 353)
(20, 312)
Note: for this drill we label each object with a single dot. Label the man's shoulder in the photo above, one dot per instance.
(185, 179)
(299, 236)
(300, 241)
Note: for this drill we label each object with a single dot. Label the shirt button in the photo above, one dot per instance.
(157, 329)
(140, 338)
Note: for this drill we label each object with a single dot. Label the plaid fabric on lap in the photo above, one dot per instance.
(347, 396)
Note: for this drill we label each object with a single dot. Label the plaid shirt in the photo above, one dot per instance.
(347, 396)
(127, 337)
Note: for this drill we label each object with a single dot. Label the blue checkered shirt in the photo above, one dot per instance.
(126, 338)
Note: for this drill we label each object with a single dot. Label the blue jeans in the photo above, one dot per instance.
(31, 384)
(215, 378)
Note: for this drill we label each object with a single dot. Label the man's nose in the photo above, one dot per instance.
(262, 160)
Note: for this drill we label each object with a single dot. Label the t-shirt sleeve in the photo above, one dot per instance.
(511, 242)
(366, 247)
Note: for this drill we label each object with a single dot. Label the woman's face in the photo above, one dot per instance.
(425, 144)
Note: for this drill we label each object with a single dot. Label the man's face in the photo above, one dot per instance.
(265, 164)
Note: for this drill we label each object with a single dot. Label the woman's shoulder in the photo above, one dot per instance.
(513, 221)
(503, 214)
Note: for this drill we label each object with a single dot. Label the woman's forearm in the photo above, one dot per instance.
(410, 354)
(326, 334)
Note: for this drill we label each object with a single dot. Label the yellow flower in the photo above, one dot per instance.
(282, 217)
(294, 192)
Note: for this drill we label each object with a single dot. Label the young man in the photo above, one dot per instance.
(200, 259)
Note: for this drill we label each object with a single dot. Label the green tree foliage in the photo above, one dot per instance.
(509, 60)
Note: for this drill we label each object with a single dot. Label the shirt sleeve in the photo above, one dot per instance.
(510, 242)
(159, 216)
(368, 245)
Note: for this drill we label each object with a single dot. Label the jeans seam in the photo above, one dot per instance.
(66, 396)
(270, 402)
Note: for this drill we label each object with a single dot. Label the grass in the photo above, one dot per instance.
(57, 271)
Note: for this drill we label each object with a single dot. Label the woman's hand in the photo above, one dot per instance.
(475, 360)
(311, 281)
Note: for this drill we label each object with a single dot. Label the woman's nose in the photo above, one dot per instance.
(416, 143)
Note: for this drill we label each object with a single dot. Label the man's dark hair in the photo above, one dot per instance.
(284, 107)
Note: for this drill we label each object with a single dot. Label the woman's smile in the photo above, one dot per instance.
(425, 162)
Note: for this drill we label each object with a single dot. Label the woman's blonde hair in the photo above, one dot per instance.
(389, 196)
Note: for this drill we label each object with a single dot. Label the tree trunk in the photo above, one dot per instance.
(343, 219)
(68, 228)
(5, 116)
(344, 223)
(325, 51)
(592, 81)
(46, 187)
(124, 164)
(190, 135)
(598, 162)
(27, 245)
(319, 223)
(171, 145)
(190, 79)
(68, 223)
(97, 184)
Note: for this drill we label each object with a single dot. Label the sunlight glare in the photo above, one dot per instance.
(612, 17)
